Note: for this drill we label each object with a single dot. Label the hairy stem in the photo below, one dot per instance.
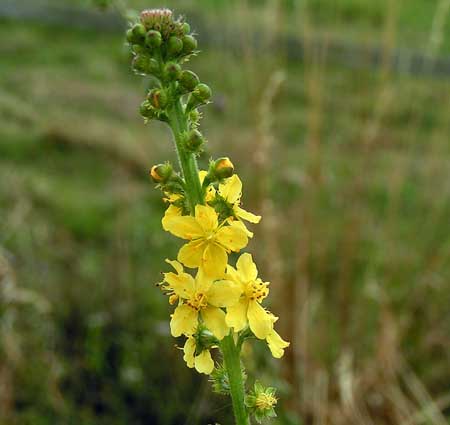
(179, 124)
(231, 357)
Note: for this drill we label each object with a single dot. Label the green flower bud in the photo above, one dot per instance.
(261, 402)
(146, 111)
(189, 80)
(142, 64)
(174, 46)
(153, 39)
(222, 168)
(194, 140)
(131, 38)
(189, 44)
(158, 98)
(137, 48)
(139, 31)
(202, 93)
(204, 338)
(185, 28)
(161, 173)
(172, 71)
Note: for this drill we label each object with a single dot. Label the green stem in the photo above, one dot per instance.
(232, 360)
(179, 124)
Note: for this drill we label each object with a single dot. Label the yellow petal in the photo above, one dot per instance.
(176, 265)
(171, 212)
(182, 284)
(191, 254)
(232, 237)
(185, 227)
(259, 320)
(214, 319)
(184, 321)
(246, 267)
(224, 293)
(214, 260)
(246, 215)
(202, 281)
(233, 275)
(189, 351)
(201, 175)
(237, 315)
(206, 217)
(204, 362)
(276, 344)
(231, 190)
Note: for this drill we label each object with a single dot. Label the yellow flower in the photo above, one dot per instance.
(248, 309)
(231, 191)
(173, 210)
(210, 242)
(199, 297)
(202, 362)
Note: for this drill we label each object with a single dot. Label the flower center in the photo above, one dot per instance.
(256, 290)
(265, 401)
(197, 302)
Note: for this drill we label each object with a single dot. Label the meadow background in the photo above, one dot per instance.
(337, 117)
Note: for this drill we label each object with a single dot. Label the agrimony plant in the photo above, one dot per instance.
(217, 306)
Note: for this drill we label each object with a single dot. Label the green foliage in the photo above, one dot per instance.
(366, 217)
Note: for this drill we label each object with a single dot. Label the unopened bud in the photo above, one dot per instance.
(158, 98)
(137, 48)
(189, 44)
(172, 71)
(153, 39)
(139, 31)
(194, 140)
(223, 168)
(146, 111)
(189, 80)
(156, 18)
(185, 28)
(131, 38)
(202, 93)
(261, 402)
(204, 339)
(161, 173)
(174, 46)
(145, 65)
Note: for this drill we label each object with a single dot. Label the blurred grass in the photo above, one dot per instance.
(354, 184)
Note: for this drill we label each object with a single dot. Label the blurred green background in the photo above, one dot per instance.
(336, 114)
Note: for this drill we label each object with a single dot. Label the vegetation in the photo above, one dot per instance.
(348, 166)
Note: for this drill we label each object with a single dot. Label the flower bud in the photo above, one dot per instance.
(204, 338)
(137, 48)
(142, 64)
(172, 71)
(223, 168)
(161, 173)
(261, 402)
(174, 46)
(131, 38)
(146, 111)
(153, 39)
(139, 31)
(189, 44)
(185, 28)
(189, 80)
(194, 140)
(156, 18)
(202, 93)
(158, 98)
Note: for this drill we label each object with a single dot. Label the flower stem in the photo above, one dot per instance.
(179, 124)
(231, 356)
